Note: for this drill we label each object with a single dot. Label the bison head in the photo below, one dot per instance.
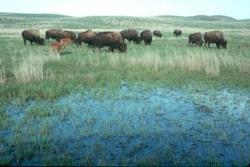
(40, 41)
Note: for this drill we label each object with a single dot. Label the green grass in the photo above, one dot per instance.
(32, 72)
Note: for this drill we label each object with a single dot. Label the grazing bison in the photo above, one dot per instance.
(157, 33)
(195, 38)
(86, 37)
(177, 32)
(52, 33)
(32, 35)
(67, 34)
(146, 36)
(216, 37)
(131, 35)
(112, 40)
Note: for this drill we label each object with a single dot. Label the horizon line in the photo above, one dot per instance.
(123, 15)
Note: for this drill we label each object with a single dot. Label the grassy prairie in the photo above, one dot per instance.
(52, 96)
(25, 70)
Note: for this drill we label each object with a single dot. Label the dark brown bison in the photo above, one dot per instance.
(113, 40)
(216, 37)
(195, 38)
(32, 35)
(52, 33)
(177, 32)
(146, 36)
(86, 37)
(157, 33)
(131, 35)
(67, 34)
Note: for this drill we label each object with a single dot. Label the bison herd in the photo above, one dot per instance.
(115, 40)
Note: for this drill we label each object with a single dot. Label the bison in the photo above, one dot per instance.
(131, 35)
(216, 37)
(157, 33)
(146, 36)
(86, 37)
(32, 35)
(195, 38)
(52, 33)
(177, 32)
(67, 34)
(113, 40)
(55, 47)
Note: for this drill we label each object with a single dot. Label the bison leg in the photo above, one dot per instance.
(208, 44)
(89, 44)
(148, 43)
(218, 45)
(111, 49)
(24, 41)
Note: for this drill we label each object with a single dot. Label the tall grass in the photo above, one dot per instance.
(200, 61)
(2, 73)
(31, 67)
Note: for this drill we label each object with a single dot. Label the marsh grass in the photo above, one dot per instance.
(2, 73)
(31, 67)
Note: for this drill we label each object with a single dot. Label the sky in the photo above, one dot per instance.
(235, 8)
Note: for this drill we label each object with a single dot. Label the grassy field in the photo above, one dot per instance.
(30, 72)
(32, 78)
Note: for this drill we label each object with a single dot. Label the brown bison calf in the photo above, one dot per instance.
(32, 35)
(195, 38)
(146, 36)
(177, 32)
(52, 33)
(112, 40)
(131, 35)
(86, 37)
(216, 37)
(157, 33)
(57, 46)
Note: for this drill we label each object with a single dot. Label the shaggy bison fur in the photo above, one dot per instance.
(113, 40)
(86, 37)
(32, 35)
(195, 38)
(216, 37)
(131, 35)
(146, 36)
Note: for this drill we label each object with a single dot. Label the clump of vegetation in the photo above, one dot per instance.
(2, 73)
(31, 67)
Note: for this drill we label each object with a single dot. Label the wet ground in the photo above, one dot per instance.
(132, 125)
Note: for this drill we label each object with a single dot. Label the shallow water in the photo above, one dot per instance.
(131, 126)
